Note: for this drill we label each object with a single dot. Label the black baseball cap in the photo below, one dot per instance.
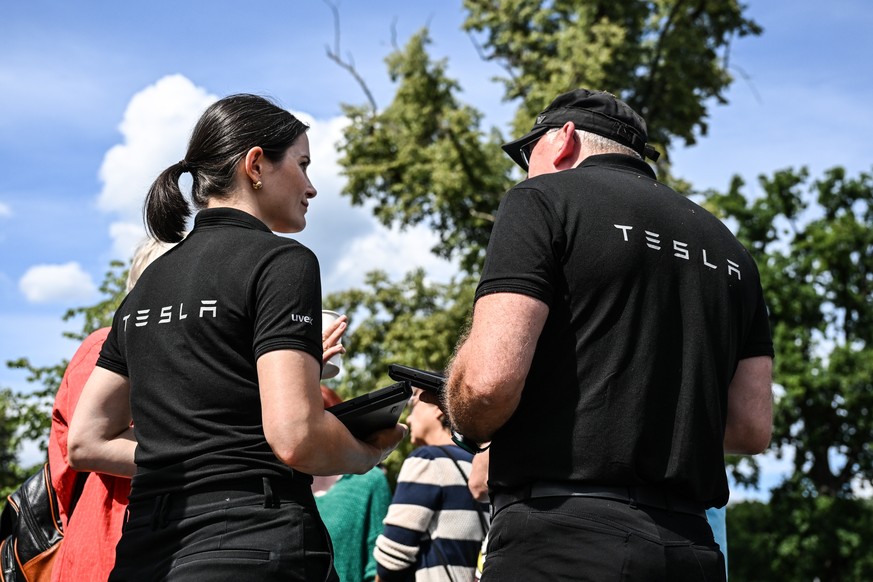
(595, 111)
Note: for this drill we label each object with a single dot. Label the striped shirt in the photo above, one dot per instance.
(434, 526)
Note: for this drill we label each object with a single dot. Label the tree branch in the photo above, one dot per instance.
(482, 56)
(348, 65)
(656, 57)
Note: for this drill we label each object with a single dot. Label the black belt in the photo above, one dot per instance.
(633, 496)
(273, 489)
(174, 504)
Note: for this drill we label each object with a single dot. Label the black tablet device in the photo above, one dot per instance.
(374, 410)
(423, 379)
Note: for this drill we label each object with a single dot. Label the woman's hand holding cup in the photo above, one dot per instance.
(333, 326)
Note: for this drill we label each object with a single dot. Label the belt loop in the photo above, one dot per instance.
(631, 498)
(159, 514)
(270, 500)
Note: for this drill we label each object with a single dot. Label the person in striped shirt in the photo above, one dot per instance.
(434, 527)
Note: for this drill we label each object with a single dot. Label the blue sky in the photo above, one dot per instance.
(97, 97)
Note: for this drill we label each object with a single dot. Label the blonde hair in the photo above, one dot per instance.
(146, 252)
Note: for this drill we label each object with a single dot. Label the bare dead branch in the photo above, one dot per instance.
(742, 73)
(348, 64)
(485, 57)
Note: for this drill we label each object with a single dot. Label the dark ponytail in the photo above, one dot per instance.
(166, 209)
(226, 131)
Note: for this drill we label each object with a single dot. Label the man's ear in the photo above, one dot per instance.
(568, 152)
(253, 163)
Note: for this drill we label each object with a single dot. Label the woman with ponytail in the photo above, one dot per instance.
(215, 356)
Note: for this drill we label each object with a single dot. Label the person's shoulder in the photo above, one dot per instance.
(90, 345)
(274, 240)
(433, 452)
(96, 337)
(275, 246)
(374, 475)
(429, 452)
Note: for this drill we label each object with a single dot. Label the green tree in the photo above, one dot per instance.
(814, 242)
(11, 473)
(797, 537)
(425, 159)
(667, 59)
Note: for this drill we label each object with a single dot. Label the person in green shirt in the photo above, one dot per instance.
(352, 508)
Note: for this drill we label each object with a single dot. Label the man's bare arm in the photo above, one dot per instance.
(488, 372)
(749, 424)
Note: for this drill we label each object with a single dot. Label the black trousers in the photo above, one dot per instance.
(225, 534)
(599, 540)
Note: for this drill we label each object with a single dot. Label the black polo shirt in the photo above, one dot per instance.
(652, 303)
(188, 336)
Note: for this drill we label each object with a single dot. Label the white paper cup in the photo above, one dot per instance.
(332, 366)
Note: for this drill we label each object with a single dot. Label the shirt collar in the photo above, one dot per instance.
(618, 162)
(224, 216)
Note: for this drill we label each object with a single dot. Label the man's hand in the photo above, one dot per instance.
(386, 440)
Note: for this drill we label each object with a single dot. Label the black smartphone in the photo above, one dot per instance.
(365, 414)
(430, 381)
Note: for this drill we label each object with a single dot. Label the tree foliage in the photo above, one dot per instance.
(425, 159)
(26, 415)
(800, 537)
(666, 58)
(11, 473)
(814, 243)
(815, 247)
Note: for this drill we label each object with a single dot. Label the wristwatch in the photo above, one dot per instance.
(468, 445)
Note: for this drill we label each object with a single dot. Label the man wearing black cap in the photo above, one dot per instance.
(619, 347)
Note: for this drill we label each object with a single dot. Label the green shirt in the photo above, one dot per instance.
(353, 510)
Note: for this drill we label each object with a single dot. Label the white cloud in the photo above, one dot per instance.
(348, 240)
(156, 126)
(126, 236)
(325, 169)
(394, 252)
(332, 223)
(63, 283)
(5, 210)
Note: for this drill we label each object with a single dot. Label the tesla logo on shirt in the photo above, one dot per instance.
(168, 313)
(681, 250)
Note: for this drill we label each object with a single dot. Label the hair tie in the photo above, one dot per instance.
(184, 166)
